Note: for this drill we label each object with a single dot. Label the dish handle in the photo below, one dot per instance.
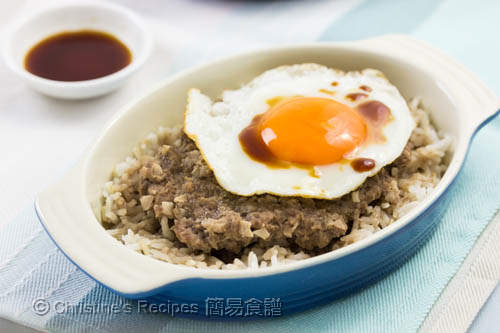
(70, 222)
(467, 89)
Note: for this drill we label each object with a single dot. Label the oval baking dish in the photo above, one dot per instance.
(459, 103)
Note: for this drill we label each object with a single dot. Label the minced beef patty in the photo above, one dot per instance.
(178, 184)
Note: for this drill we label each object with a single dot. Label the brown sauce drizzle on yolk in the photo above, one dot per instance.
(365, 88)
(254, 146)
(362, 164)
(354, 97)
(375, 113)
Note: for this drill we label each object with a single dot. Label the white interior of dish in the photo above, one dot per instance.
(458, 103)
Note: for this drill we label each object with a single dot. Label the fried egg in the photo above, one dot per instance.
(301, 130)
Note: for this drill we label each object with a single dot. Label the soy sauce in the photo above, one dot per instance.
(77, 56)
(363, 164)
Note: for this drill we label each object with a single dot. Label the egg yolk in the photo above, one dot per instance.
(311, 130)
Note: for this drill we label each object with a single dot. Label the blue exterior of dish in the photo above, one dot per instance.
(300, 289)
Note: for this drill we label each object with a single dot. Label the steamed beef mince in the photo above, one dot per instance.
(177, 186)
(163, 202)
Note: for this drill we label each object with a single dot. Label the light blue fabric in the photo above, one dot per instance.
(33, 268)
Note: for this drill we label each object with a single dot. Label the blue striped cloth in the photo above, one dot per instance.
(32, 268)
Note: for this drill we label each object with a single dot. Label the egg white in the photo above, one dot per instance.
(215, 126)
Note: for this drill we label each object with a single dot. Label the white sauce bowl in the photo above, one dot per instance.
(115, 20)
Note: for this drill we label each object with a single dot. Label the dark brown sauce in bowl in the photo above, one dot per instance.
(77, 56)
